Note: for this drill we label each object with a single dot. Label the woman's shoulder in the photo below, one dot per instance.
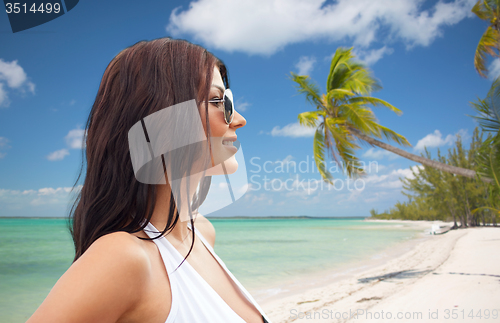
(120, 248)
(108, 278)
(120, 241)
(119, 255)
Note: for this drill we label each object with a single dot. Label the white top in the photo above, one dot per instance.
(193, 299)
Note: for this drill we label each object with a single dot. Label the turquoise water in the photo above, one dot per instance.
(34, 253)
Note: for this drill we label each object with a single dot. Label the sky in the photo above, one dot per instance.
(421, 51)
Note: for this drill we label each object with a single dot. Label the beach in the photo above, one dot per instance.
(453, 277)
(326, 267)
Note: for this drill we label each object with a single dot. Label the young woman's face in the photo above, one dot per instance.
(221, 134)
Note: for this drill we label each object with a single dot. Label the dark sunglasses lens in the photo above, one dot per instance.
(228, 109)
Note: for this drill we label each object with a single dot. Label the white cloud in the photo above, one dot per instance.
(370, 57)
(392, 180)
(31, 87)
(436, 139)
(241, 106)
(74, 138)
(407, 172)
(58, 155)
(376, 196)
(293, 130)
(243, 189)
(3, 145)
(373, 153)
(305, 65)
(16, 199)
(286, 160)
(266, 26)
(4, 99)
(494, 69)
(261, 198)
(12, 73)
(3, 142)
(14, 77)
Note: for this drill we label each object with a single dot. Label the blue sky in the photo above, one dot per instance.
(421, 51)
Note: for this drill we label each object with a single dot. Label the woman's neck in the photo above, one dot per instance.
(159, 219)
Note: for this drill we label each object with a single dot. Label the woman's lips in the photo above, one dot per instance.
(228, 143)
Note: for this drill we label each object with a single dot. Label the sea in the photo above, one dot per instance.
(263, 253)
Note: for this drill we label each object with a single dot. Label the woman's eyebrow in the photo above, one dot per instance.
(219, 87)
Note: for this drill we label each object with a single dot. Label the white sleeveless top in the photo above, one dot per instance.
(193, 299)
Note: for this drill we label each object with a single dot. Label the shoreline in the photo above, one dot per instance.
(301, 283)
(379, 285)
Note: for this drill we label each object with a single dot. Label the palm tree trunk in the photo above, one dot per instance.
(463, 222)
(467, 207)
(419, 159)
(453, 214)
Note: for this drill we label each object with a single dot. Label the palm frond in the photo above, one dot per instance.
(338, 130)
(488, 120)
(375, 102)
(489, 109)
(482, 208)
(488, 159)
(339, 70)
(344, 147)
(351, 162)
(361, 80)
(310, 118)
(481, 10)
(319, 155)
(306, 86)
(391, 135)
(359, 116)
(338, 94)
(488, 44)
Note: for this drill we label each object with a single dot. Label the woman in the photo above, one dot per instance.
(143, 253)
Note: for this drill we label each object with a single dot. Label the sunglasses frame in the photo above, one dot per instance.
(229, 95)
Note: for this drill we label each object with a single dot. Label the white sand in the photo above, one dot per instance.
(441, 279)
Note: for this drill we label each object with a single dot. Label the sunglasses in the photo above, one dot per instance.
(226, 103)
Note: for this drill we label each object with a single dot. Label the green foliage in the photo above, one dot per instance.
(437, 195)
(489, 44)
(488, 155)
(344, 110)
(489, 109)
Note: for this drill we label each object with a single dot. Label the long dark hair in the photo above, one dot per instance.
(140, 80)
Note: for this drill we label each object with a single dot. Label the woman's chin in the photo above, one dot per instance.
(231, 166)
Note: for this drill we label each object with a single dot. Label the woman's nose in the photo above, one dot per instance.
(238, 120)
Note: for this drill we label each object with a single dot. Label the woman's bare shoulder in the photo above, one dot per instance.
(118, 251)
(102, 285)
(206, 228)
(121, 245)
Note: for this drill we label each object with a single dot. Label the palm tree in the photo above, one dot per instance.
(489, 43)
(343, 118)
